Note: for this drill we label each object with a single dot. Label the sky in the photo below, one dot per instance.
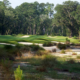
(15, 3)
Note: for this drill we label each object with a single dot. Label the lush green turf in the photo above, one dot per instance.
(34, 39)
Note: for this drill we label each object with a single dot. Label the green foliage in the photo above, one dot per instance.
(49, 61)
(53, 50)
(48, 43)
(78, 56)
(67, 42)
(18, 73)
(34, 77)
(74, 53)
(36, 47)
(42, 52)
(8, 47)
(77, 44)
(6, 69)
(71, 61)
(13, 34)
(75, 37)
(63, 51)
(61, 46)
(5, 54)
(64, 20)
(6, 63)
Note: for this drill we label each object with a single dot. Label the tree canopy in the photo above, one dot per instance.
(39, 18)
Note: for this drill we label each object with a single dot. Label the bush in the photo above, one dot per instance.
(54, 44)
(74, 53)
(63, 51)
(77, 44)
(34, 77)
(78, 57)
(67, 42)
(41, 52)
(35, 47)
(8, 47)
(25, 49)
(13, 34)
(48, 43)
(61, 46)
(18, 73)
(75, 37)
(18, 46)
(5, 54)
(71, 61)
(53, 50)
(72, 44)
(49, 61)
(6, 69)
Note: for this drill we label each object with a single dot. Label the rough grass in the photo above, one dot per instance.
(61, 64)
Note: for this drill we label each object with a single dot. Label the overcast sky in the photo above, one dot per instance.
(15, 3)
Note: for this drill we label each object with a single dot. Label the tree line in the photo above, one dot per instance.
(40, 18)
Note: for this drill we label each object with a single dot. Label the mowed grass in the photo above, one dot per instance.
(34, 39)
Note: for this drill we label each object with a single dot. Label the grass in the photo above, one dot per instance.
(61, 64)
(78, 56)
(34, 39)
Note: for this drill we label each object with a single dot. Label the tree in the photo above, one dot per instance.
(64, 16)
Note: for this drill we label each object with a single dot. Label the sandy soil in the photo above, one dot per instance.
(57, 53)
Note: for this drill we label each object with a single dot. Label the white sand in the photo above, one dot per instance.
(7, 44)
(25, 36)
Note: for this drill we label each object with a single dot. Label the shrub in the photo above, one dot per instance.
(41, 69)
(18, 46)
(53, 50)
(74, 53)
(54, 44)
(61, 46)
(34, 77)
(8, 47)
(73, 44)
(49, 61)
(13, 34)
(6, 69)
(67, 42)
(75, 37)
(41, 52)
(48, 43)
(35, 47)
(67, 45)
(63, 51)
(71, 61)
(78, 57)
(77, 44)
(25, 49)
(18, 74)
(4, 55)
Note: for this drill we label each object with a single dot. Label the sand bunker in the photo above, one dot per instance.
(25, 36)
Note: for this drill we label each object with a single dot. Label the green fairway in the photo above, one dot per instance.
(34, 39)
